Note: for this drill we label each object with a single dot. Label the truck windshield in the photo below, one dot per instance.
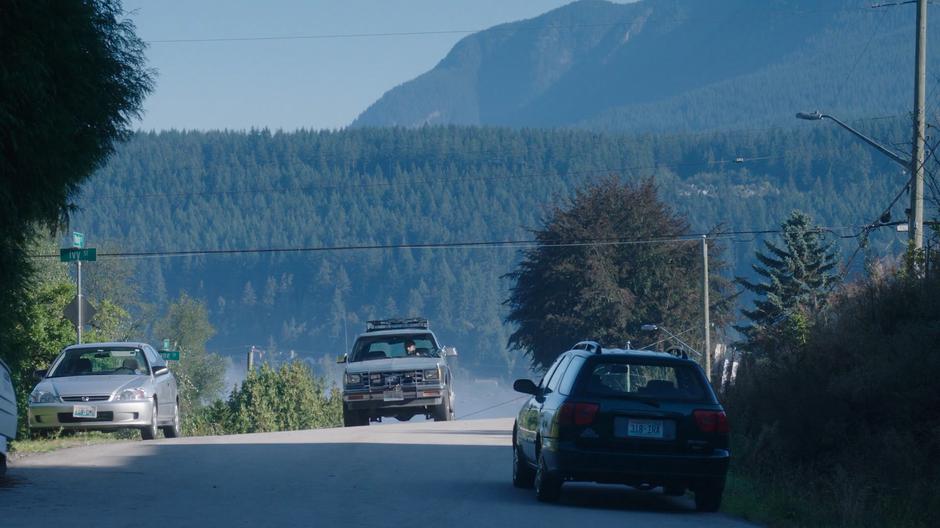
(368, 348)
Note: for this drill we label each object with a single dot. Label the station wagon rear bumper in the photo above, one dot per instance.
(612, 466)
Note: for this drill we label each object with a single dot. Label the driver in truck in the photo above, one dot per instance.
(410, 349)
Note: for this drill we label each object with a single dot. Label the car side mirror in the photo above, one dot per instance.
(161, 370)
(449, 351)
(525, 386)
(341, 359)
(40, 374)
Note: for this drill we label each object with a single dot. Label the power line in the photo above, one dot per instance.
(864, 51)
(503, 27)
(486, 244)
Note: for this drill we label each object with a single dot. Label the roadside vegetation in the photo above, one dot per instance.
(835, 405)
(287, 398)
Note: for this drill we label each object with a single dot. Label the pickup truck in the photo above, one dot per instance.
(397, 369)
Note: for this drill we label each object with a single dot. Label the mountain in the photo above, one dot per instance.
(676, 65)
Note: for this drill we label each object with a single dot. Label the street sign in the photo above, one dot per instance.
(170, 355)
(71, 311)
(78, 240)
(76, 254)
(166, 344)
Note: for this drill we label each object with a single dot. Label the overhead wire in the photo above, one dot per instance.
(504, 27)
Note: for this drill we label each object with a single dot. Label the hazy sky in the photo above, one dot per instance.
(289, 84)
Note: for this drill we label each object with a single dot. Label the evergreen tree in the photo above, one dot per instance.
(796, 279)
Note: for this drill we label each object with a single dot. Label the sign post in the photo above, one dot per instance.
(169, 354)
(77, 253)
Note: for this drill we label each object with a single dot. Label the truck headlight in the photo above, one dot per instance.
(42, 396)
(353, 379)
(137, 393)
(432, 375)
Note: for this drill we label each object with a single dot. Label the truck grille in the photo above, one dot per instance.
(390, 379)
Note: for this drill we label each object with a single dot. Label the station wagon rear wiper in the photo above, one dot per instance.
(644, 399)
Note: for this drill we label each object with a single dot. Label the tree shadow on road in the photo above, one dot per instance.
(305, 484)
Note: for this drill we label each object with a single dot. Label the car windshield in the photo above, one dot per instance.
(101, 362)
(644, 379)
(392, 346)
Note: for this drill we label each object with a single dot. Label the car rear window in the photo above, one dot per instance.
(645, 378)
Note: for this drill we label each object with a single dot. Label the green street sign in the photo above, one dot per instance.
(170, 355)
(78, 240)
(76, 254)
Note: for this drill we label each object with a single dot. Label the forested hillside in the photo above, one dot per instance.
(178, 191)
(670, 65)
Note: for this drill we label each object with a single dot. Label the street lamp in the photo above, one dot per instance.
(915, 219)
(816, 116)
(655, 328)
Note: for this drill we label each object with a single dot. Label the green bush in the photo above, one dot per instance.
(852, 418)
(284, 399)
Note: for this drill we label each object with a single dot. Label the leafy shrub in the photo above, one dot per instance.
(284, 399)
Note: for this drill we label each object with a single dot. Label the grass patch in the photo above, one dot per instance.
(35, 446)
(772, 504)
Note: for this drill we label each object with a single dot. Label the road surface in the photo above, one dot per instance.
(449, 474)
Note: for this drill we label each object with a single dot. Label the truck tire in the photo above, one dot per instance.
(445, 411)
(355, 418)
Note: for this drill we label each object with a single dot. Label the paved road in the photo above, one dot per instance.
(452, 474)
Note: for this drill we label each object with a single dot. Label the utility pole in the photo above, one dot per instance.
(708, 337)
(918, 154)
(81, 320)
(251, 358)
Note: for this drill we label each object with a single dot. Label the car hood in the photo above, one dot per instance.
(393, 364)
(93, 385)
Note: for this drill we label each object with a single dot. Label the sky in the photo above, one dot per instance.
(313, 83)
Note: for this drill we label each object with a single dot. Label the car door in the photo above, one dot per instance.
(162, 388)
(530, 415)
(552, 399)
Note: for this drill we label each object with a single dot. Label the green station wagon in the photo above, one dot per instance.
(645, 419)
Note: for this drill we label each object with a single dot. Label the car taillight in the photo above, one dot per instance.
(577, 413)
(711, 421)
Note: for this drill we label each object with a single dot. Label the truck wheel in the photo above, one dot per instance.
(354, 418)
(444, 412)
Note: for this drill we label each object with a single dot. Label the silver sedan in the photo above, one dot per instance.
(107, 386)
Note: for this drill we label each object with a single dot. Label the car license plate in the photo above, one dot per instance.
(84, 411)
(395, 394)
(645, 428)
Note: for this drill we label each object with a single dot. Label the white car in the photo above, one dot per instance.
(7, 414)
(107, 386)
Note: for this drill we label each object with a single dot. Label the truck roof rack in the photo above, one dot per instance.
(397, 324)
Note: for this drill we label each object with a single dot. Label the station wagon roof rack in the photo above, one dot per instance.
(397, 324)
(590, 346)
